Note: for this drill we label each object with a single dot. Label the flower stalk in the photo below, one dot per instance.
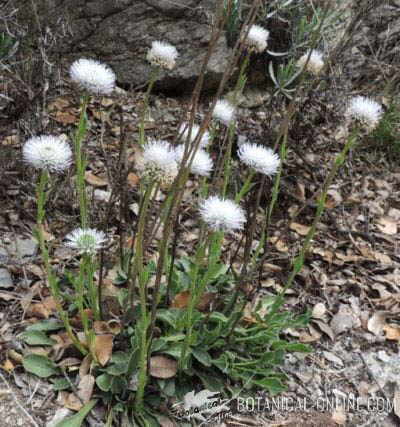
(51, 277)
(80, 160)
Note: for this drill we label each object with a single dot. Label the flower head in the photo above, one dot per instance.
(201, 164)
(184, 130)
(93, 76)
(364, 110)
(222, 215)
(261, 159)
(162, 54)
(47, 152)
(257, 38)
(315, 62)
(86, 240)
(159, 161)
(224, 111)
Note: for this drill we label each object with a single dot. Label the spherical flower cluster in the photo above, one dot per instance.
(162, 54)
(184, 131)
(315, 62)
(202, 163)
(159, 161)
(364, 110)
(222, 215)
(93, 76)
(86, 240)
(257, 38)
(224, 111)
(48, 152)
(261, 159)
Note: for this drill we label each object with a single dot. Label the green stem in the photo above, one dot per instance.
(241, 81)
(52, 279)
(80, 161)
(275, 192)
(194, 292)
(153, 78)
(87, 269)
(81, 298)
(299, 260)
(246, 187)
(138, 270)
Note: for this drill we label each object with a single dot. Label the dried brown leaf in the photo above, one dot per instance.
(85, 388)
(163, 367)
(103, 345)
(94, 180)
(325, 328)
(133, 180)
(318, 311)
(392, 332)
(65, 117)
(387, 225)
(377, 322)
(300, 228)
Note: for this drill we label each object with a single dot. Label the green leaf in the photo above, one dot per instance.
(174, 351)
(211, 382)
(60, 384)
(40, 365)
(158, 345)
(167, 386)
(219, 317)
(120, 357)
(45, 325)
(273, 385)
(118, 385)
(202, 356)
(104, 382)
(175, 337)
(117, 369)
(36, 338)
(77, 419)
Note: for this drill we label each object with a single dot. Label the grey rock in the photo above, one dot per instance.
(5, 279)
(25, 247)
(119, 32)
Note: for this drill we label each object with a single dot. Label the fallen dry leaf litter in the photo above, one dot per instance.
(350, 281)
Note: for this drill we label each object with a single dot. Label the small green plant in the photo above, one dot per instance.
(387, 134)
(232, 11)
(184, 322)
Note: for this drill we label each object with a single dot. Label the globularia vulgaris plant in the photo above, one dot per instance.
(182, 323)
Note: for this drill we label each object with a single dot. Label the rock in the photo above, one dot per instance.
(119, 32)
(25, 247)
(5, 279)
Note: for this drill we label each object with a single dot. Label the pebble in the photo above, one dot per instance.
(5, 279)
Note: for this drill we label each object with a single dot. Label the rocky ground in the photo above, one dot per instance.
(351, 280)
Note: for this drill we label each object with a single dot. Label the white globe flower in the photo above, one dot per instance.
(202, 163)
(315, 62)
(224, 111)
(184, 131)
(93, 76)
(48, 152)
(365, 110)
(259, 158)
(257, 38)
(86, 240)
(159, 161)
(162, 54)
(222, 215)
